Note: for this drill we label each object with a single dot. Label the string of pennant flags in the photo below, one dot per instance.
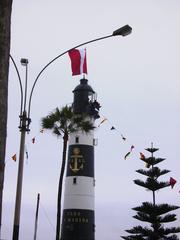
(33, 140)
(172, 181)
(79, 66)
(124, 139)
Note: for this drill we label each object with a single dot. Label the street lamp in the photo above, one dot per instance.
(24, 127)
(123, 31)
(25, 118)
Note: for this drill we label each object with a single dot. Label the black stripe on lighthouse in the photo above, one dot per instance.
(80, 161)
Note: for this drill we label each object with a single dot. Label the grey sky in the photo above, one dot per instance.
(137, 82)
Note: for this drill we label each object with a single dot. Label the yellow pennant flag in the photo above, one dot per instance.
(105, 119)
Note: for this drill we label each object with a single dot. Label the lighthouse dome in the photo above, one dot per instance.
(83, 86)
(83, 94)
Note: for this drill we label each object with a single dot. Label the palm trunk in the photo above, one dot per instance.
(58, 222)
(5, 29)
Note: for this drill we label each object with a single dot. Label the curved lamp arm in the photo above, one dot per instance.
(20, 82)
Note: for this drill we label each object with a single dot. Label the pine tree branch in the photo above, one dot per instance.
(154, 172)
(158, 209)
(143, 231)
(168, 218)
(152, 161)
(151, 184)
(135, 237)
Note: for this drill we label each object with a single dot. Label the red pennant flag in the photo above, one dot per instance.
(14, 157)
(172, 182)
(78, 61)
(142, 157)
(33, 140)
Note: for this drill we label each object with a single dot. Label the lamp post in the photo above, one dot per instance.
(24, 127)
(25, 118)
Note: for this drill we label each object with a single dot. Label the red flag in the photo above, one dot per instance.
(14, 157)
(142, 157)
(172, 182)
(78, 61)
(33, 140)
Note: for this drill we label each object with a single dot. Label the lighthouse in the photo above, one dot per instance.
(78, 219)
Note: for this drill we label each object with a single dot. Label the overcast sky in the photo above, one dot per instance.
(137, 82)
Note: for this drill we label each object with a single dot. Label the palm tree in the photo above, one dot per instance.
(5, 29)
(62, 123)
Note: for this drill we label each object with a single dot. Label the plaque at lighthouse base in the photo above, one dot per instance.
(78, 224)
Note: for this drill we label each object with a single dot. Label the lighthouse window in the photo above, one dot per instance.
(95, 142)
(94, 182)
(74, 180)
(77, 139)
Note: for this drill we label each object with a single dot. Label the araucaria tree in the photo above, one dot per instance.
(63, 122)
(156, 215)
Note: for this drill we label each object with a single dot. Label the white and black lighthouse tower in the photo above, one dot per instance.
(78, 220)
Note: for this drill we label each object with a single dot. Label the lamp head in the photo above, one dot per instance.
(123, 31)
(24, 61)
